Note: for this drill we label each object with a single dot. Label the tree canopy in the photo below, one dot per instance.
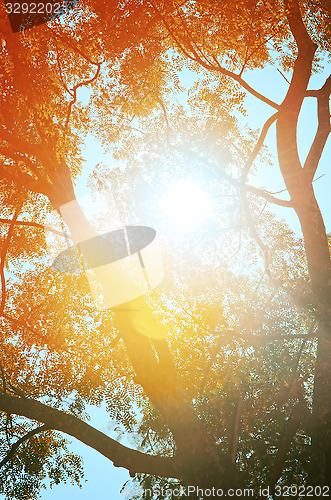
(221, 375)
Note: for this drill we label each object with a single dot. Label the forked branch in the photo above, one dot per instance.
(268, 196)
(323, 130)
(20, 441)
(193, 54)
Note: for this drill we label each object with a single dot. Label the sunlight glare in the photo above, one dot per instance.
(185, 204)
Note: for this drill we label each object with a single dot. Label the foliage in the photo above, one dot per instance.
(244, 302)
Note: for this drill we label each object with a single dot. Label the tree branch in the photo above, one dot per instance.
(258, 146)
(60, 69)
(268, 196)
(297, 26)
(69, 42)
(299, 414)
(34, 224)
(217, 67)
(323, 130)
(20, 441)
(289, 161)
(168, 129)
(236, 428)
(163, 385)
(73, 93)
(258, 192)
(245, 85)
(121, 456)
(3, 259)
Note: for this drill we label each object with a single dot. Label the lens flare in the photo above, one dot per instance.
(185, 203)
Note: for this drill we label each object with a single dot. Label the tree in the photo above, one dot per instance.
(131, 56)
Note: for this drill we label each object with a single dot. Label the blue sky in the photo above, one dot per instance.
(104, 480)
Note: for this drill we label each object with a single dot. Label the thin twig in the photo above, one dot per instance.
(268, 196)
(258, 145)
(8, 421)
(3, 258)
(283, 75)
(165, 117)
(60, 70)
(35, 224)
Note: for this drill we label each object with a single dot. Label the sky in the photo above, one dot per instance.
(104, 480)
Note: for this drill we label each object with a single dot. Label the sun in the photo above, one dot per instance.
(185, 204)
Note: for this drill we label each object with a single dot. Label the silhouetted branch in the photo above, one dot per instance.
(264, 248)
(20, 441)
(299, 414)
(3, 378)
(119, 454)
(297, 26)
(73, 92)
(60, 70)
(3, 258)
(236, 429)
